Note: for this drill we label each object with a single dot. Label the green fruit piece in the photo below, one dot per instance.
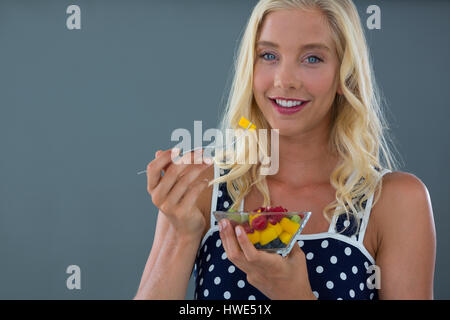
(232, 210)
(295, 218)
(235, 217)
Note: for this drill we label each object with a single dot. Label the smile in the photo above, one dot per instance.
(288, 106)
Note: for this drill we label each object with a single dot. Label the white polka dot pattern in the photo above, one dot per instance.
(336, 268)
(333, 269)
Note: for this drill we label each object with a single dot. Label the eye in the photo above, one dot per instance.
(313, 59)
(267, 56)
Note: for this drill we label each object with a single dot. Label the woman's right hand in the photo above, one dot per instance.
(175, 193)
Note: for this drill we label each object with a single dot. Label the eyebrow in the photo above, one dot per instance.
(304, 47)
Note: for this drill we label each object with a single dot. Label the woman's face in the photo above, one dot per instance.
(295, 60)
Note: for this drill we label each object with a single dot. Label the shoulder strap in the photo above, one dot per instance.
(368, 210)
(332, 227)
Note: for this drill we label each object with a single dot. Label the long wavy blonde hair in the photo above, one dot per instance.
(359, 129)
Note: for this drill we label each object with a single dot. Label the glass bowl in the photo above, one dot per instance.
(268, 231)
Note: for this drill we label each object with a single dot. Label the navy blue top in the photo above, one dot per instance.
(337, 260)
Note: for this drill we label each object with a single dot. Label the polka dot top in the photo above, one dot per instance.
(339, 266)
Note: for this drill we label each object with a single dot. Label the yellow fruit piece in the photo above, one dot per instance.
(289, 226)
(254, 237)
(285, 237)
(267, 235)
(278, 228)
(244, 123)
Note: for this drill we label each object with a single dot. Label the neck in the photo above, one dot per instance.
(304, 160)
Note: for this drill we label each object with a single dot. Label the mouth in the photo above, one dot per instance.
(290, 106)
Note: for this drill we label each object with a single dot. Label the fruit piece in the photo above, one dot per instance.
(254, 237)
(232, 210)
(252, 216)
(244, 217)
(275, 218)
(268, 246)
(296, 218)
(244, 123)
(274, 244)
(278, 228)
(235, 217)
(289, 225)
(270, 209)
(277, 243)
(278, 209)
(259, 223)
(285, 237)
(267, 235)
(247, 227)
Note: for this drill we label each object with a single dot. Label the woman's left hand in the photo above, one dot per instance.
(275, 276)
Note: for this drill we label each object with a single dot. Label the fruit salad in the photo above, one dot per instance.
(268, 228)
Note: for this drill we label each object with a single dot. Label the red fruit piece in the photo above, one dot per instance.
(278, 209)
(275, 218)
(247, 227)
(259, 223)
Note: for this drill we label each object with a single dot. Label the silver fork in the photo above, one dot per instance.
(211, 147)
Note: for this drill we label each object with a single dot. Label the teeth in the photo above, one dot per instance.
(288, 104)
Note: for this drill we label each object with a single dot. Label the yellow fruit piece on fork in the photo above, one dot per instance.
(244, 123)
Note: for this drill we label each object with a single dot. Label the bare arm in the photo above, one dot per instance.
(167, 273)
(162, 226)
(168, 268)
(407, 243)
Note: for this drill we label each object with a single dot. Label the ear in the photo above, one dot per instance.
(339, 90)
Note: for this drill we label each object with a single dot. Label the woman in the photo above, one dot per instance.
(333, 161)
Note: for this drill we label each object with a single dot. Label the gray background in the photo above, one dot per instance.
(82, 111)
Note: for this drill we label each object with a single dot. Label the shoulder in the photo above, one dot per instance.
(406, 237)
(402, 189)
(404, 204)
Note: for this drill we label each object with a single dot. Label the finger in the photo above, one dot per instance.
(170, 178)
(248, 249)
(180, 193)
(154, 168)
(172, 170)
(157, 153)
(231, 246)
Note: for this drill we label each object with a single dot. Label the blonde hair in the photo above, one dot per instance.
(358, 133)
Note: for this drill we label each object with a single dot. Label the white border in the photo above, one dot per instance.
(340, 237)
(314, 236)
(330, 234)
(212, 219)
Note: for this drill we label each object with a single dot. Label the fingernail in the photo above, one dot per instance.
(176, 151)
(220, 226)
(208, 161)
(238, 231)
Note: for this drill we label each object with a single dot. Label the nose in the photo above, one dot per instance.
(287, 77)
